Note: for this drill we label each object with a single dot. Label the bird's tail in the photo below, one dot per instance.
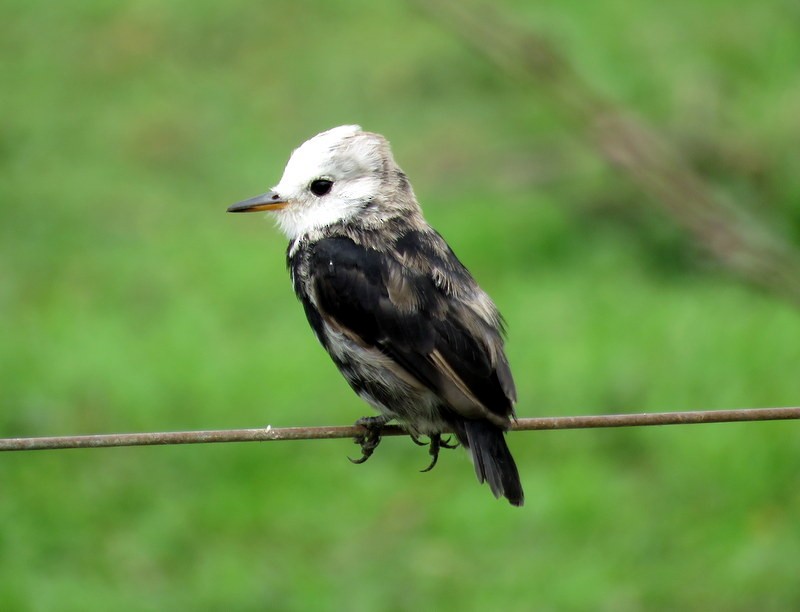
(493, 461)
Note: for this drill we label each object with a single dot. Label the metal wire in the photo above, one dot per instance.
(269, 434)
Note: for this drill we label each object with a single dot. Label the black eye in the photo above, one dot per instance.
(320, 187)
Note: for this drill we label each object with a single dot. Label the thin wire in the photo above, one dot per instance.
(269, 433)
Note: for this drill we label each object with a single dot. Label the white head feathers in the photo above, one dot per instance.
(365, 182)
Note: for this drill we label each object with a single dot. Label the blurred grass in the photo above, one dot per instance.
(130, 302)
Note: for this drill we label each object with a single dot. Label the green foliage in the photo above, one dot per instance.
(131, 302)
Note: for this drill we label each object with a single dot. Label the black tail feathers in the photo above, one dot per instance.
(493, 461)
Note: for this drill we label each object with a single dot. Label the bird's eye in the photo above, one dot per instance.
(320, 187)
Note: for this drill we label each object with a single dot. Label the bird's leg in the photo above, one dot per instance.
(436, 444)
(370, 440)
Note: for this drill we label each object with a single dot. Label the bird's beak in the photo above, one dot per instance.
(265, 201)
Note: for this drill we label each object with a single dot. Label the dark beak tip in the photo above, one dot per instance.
(256, 203)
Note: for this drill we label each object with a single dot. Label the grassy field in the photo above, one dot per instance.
(130, 302)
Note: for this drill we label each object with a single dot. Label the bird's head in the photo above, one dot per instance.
(342, 175)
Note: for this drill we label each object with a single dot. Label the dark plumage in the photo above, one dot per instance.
(401, 317)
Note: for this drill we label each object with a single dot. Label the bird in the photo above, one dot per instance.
(401, 317)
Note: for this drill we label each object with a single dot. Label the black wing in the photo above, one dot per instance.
(400, 310)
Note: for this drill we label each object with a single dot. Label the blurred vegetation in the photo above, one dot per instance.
(131, 302)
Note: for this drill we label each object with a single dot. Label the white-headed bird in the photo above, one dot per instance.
(399, 314)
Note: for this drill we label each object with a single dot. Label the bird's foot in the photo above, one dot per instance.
(436, 444)
(369, 441)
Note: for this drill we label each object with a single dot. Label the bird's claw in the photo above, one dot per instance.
(371, 438)
(369, 441)
(415, 439)
(446, 443)
(437, 444)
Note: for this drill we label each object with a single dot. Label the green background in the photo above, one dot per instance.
(129, 301)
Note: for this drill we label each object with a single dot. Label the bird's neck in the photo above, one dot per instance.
(375, 234)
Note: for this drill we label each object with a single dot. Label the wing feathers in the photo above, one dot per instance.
(406, 313)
